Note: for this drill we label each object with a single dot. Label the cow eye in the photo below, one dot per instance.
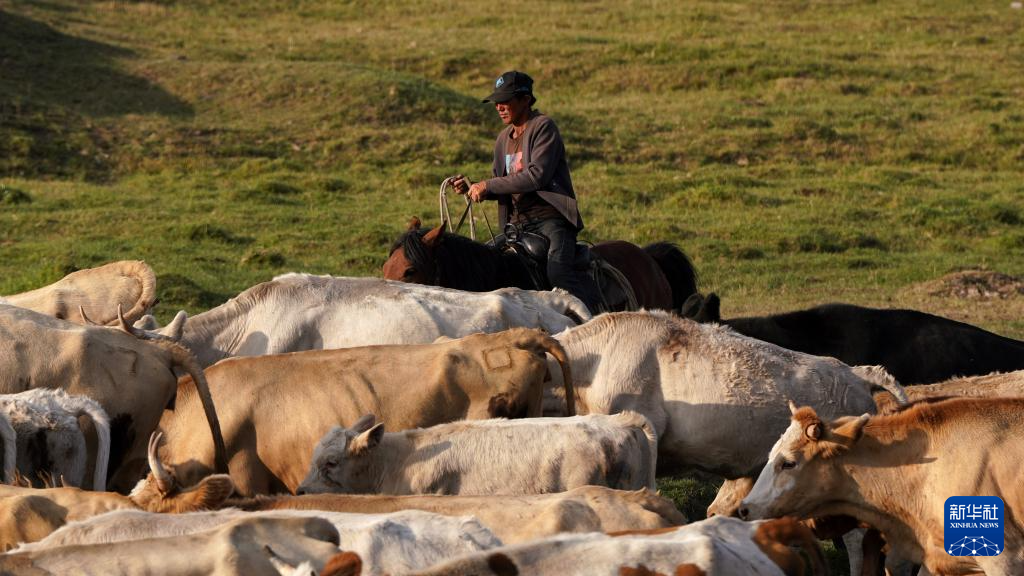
(409, 272)
(330, 464)
(787, 464)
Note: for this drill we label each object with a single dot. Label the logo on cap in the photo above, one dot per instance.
(501, 80)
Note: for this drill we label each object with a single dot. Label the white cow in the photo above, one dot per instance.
(242, 547)
(718, 546)
(528, 456)
(10, 448)
(297, 312)
(718, 399)
(50, 439)
(393, 543)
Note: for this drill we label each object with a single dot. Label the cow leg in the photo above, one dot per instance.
(251, 476)
(874, 559)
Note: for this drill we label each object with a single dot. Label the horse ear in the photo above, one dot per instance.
(414, 223)
(434, 237)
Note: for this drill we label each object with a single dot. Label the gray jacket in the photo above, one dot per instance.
(545, 171)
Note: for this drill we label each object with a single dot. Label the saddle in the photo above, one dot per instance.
(532, 249)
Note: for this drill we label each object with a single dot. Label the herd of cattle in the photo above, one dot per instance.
(329, 425)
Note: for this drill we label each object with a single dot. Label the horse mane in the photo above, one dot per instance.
(461, 263)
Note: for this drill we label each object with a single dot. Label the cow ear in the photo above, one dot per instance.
(692, 306)
(849, 432)
(414, 223)
(842, 437)
(364, 423)
(367, 440)
(374, 435)
(813, 432)
(711, 311)
(209, 494)
(176, 328)
(434, 237)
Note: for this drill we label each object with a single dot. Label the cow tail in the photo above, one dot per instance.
(184, 359)
(554, 347)
(89, 407)
(146, 278)
(881, 380)
(10, 449)
(652, 445)
(572, 307)
(651, 433)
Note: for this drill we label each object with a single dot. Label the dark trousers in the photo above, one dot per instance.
(561, 255)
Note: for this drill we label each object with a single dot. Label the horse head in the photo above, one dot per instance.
(413, 256)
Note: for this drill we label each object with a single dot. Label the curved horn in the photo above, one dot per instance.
(164, 482)
(88, 321)
(128, 327)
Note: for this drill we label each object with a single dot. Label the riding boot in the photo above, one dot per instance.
(561, 256)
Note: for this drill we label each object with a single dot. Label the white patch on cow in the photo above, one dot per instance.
(773, 482)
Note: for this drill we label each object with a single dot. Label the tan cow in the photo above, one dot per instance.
(30, 514)
(243, 547)
(132, 378)
(99, 291)
(999, 385)
(511, 518)
(274, 409)
(895, 473)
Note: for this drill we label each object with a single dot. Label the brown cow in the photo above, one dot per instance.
(895, 473)
(998, 385)
(275, 408)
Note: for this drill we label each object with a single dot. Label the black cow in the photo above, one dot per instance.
(916, 348)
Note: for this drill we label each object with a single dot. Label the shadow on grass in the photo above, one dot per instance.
(55, 86)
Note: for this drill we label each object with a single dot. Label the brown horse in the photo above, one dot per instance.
(660, 274)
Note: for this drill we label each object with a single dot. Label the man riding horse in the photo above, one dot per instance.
(532, 184)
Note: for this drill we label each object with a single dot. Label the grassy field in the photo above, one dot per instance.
(799, 152)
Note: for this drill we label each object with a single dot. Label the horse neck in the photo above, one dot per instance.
(479, 268)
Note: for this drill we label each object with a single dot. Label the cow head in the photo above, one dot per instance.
(342, 457)
(730, 494)
(804, 467)
(160, 491)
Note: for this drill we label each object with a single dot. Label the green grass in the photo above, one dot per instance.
(800, 152)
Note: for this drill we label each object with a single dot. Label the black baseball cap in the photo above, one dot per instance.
(509, 85)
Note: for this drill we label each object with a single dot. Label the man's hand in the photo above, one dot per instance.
(477, 191)
(460, 184)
